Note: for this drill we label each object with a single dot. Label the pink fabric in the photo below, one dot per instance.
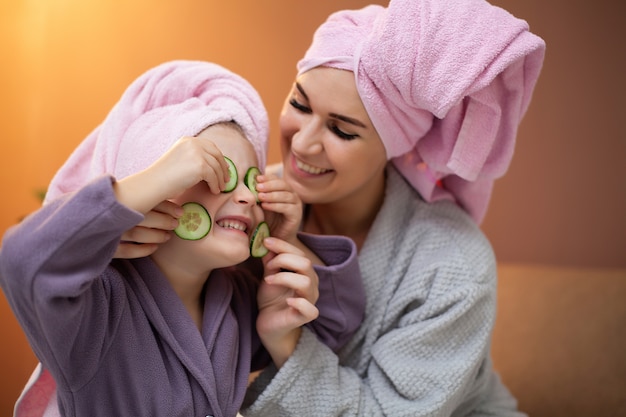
(169, 101)
(174, 99)
(446, 84)
(38, 398)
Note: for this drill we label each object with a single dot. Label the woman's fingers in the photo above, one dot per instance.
(280, 246)
(305, 309)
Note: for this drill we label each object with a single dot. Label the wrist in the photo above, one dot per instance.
(281, 349)
(137, 192)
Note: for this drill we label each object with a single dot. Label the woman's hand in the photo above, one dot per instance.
(286, 298)
(283, 208)
(144, 239)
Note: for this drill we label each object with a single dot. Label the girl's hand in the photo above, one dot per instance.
(286, 298)
(143, 239)
(283, 208)
(189, 161)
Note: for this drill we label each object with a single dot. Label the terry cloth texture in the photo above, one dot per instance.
(423, 348)
(169, 101)
(446, 84)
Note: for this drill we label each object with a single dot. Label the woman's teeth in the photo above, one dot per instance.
(232, 224)
(309, 168)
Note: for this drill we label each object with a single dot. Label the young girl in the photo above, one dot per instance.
(172, 334)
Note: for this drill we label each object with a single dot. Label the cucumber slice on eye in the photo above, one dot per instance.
(250, 181)
(232, 172)
(257, 249)
(195, 222)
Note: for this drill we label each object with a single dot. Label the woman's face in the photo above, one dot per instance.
(331, 151)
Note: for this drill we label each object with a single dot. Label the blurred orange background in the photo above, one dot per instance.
(66, 62)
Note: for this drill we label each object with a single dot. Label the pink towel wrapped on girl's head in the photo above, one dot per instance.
(171, 100)
(445, 83)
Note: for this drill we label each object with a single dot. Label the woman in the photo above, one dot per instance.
(397, 125)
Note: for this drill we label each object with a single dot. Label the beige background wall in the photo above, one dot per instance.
(65, 63)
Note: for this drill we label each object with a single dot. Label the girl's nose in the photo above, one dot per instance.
(243, 195)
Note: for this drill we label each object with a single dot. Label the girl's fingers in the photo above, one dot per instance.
(216, 172)
(139, 234)
(159, 220)
(128, 250)
(168, 207)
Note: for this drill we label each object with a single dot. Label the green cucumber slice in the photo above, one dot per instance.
(195, 223)
(257, 249)
(232, 172)
(250, 181)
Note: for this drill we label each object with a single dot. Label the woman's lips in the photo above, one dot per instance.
(309, 169)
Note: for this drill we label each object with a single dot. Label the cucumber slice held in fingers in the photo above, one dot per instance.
(250, 181)
(195, 223)
(257, 249)
(232, 172)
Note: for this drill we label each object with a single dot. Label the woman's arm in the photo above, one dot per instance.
(422, 356)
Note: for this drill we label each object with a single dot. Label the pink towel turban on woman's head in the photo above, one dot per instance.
(169, 101)
(446, 84)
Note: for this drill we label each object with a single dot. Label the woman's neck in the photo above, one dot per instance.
(351, 217)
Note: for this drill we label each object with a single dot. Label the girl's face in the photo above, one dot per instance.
(331, 151)
(234, 215)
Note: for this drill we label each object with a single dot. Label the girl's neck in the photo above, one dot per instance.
(192, 297)
(188, 287)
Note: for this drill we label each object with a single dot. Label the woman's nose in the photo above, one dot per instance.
(308, 139)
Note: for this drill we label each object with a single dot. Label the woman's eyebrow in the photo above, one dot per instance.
(301, 90)
(333, 115)
(348, 120)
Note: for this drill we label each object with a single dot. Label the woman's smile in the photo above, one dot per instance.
(309, 169)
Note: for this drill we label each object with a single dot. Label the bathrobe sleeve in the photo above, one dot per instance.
(49, 269)
(341, 301)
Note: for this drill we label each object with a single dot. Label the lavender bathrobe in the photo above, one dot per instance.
(115, 335)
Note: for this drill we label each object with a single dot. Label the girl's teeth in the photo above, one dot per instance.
(309, 168)
(232, 224)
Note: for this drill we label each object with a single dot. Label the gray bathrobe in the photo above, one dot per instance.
(423, 349)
